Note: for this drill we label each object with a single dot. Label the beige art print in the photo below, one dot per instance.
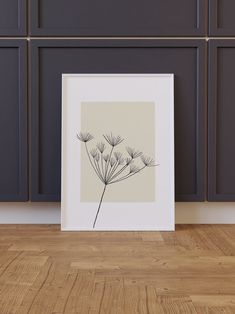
(117, 152)
(100, 118)
(108, 158)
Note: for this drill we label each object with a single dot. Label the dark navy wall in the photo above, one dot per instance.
(30, 155)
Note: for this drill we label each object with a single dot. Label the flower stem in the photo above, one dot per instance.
(98, 210)
(107, 165)
(127, 176)
(112, 169)
(102, 165)
(117, 174)
(93, 166)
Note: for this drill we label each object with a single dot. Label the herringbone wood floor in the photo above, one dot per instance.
(44, 270)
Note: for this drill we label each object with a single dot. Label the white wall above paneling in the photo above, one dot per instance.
(49, 213)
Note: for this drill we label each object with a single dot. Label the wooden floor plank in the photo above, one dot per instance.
(214, 300)
(44, 270)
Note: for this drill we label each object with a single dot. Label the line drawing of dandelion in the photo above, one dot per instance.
(113, 167)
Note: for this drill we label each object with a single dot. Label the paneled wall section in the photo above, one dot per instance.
(13, 17)
(185, 28)
(221, 128)
(118, 18)
(186, 59)
(13, 121)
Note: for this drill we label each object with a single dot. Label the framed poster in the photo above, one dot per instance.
(117, 152)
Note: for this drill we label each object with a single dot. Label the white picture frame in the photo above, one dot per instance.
(81, 90)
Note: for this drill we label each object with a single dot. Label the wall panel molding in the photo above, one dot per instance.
(184, 58)
(221, 113)
(221, 18)
(118, 18)
(13, 121)
(13, 18)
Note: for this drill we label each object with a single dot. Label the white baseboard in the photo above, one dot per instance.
(205, 213)
(29, 213)
(49, 213)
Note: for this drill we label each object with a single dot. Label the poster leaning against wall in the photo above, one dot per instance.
(117, 152)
